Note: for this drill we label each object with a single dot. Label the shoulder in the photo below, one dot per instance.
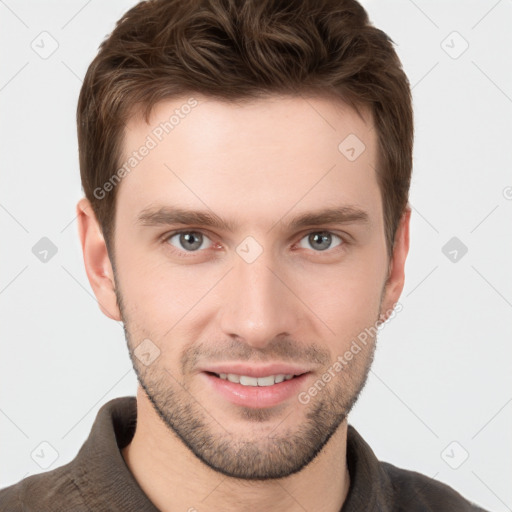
(415, 491)
(53, 491)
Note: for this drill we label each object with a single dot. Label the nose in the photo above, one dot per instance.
(260, 304)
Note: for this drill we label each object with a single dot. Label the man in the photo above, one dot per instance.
(246, 167)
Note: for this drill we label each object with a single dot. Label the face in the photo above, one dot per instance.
(234, 316)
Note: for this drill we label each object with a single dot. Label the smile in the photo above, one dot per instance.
(245, 380)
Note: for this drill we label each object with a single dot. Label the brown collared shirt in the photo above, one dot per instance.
(98, 479)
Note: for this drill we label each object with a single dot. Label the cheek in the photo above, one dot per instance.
(159, 295)
(346, 298)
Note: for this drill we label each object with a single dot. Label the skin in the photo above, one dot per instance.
(257, 165)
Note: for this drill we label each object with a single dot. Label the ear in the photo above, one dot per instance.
(97, 262)
(396, 270)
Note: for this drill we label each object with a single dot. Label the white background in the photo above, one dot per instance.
(443, 366)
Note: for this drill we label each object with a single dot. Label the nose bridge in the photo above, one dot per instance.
(258, 306)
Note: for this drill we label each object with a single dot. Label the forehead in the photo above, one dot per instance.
(277, 153)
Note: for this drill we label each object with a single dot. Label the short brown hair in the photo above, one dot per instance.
(235, 50)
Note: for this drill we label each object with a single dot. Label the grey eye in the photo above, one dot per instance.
(320, 240)
(190, 241)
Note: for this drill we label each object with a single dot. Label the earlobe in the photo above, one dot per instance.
(96, 260)
(396, 275)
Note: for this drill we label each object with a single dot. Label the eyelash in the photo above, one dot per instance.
(189, 254)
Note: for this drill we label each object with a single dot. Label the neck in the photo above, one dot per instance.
(163, 467)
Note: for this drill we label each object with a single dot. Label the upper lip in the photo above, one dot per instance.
(251, 370)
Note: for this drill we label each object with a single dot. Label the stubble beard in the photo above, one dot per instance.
(277, 454)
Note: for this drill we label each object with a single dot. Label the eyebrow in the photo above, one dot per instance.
(168, 215)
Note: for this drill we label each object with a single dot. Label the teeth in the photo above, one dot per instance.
(248, 381)
(269, 380)
(264, 381)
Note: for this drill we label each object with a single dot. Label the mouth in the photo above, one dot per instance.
(247, 380)
(262, 391)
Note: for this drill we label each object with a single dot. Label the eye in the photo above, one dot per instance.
(320, 240)
(190, 241)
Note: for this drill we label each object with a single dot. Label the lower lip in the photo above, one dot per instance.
(256, 396)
